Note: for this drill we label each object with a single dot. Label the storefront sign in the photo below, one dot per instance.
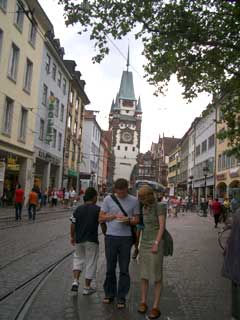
(233, 173)
(12, 164)
(49, 134)
(221, 176)
(48, 157)
(72, 173)
(2, 171)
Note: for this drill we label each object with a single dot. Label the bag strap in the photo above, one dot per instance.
(115, 199)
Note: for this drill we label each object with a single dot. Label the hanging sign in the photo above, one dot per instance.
(2, 171)
(49, 134)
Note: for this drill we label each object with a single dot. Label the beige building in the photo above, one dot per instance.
(77, 101)
(21, 45)
(227, 168)
(174, 170)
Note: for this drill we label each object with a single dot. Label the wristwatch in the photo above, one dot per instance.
(156, 242)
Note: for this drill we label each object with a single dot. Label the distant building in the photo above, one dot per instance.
(51, 115)
(174, 170)
(105, 162)
(74, 142)
(146, 167)
(89, 166)
(125, 126)
(161, 152)
(204, 169)
(227, 167)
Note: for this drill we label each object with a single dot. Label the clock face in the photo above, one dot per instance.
(127, 136)
(127, 103)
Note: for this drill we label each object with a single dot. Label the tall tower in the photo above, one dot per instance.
(125, 125)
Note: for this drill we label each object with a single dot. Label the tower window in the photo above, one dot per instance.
(118, 147)
(133, 149)
(126, 148)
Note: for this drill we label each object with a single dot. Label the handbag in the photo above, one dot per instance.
(168, 241)
(133, 228)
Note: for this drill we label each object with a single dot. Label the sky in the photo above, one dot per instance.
(170, 115)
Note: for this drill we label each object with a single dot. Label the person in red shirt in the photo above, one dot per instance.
(19, 199)
(33, 202)
(216, 210)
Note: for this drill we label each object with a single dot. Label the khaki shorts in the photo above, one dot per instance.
(86, 254)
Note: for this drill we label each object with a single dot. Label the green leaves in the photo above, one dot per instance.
(199, 41)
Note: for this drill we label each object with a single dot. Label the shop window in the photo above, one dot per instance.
(8, 114)
(3, 4)
(32, 34)
(19, 15)
(59, 81)
(23, 124)
(57, 108)
(54, 138)
(59, 141)
(54, 71)
(13, 62)
(28, 76)
(41, 130)
(62, 113)
(48, 63)
(44, 95)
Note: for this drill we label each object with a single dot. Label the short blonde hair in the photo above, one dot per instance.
(146, 193)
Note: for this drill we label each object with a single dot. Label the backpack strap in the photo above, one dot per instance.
(115, 199)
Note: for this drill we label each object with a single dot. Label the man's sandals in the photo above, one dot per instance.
(120, 304)
(108, 300)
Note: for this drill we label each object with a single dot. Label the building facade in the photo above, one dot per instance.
(204, 169)
(174, 170)
(125, 125)
(183, 175)
(73, 148)
(227, 167)
(21, 48)
(146, 167)
(89, 166)
(51, 116)
(104, 162)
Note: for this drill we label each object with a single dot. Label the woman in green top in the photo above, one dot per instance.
(151, 249)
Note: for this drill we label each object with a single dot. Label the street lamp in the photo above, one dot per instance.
(205, 204)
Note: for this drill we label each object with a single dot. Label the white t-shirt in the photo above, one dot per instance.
(66, 195)
(73, 194)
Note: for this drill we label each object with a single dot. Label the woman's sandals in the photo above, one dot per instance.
(142, 308)
(154, 313)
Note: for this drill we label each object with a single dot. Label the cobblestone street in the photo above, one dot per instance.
(193, 286)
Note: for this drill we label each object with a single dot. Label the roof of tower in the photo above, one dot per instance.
(126, 90)
(112, 106)
(139, 106)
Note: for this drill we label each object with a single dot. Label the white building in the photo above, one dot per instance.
(51, 118)
(203, 171)
(125, 124)
(89, 167)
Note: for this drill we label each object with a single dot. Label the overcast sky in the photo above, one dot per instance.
(169, 114)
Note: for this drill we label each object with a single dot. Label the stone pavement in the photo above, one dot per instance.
(193, 286)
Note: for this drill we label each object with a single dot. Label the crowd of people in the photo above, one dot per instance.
(37, 199)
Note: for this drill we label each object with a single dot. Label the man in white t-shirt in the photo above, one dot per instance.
(72, 196)
(66, 198)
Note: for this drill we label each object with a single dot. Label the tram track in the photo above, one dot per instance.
(40, 277)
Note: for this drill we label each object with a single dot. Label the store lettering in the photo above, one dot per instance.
(50, 122)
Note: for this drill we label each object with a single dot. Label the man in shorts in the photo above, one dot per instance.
(84, 236)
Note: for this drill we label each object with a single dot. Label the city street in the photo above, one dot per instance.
(193, 286)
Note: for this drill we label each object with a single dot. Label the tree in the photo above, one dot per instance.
(199, 41)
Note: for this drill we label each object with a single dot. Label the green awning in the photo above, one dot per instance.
(72, 173)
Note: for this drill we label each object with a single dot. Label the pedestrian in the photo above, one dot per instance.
(151, 249)
(45, 197)
(54, 197)
(72, 195)
(19, 199)
(226, 210)
(66, 199)
(118, 240)
(231, 264)
(234, 204)
(32, 204)
(216, 210)
(84, 236)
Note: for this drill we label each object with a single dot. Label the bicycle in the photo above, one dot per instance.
(223, 236)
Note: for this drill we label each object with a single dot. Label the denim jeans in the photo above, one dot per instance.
(18, 211)
(118, 250)
(236, 301)
(32, 212)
